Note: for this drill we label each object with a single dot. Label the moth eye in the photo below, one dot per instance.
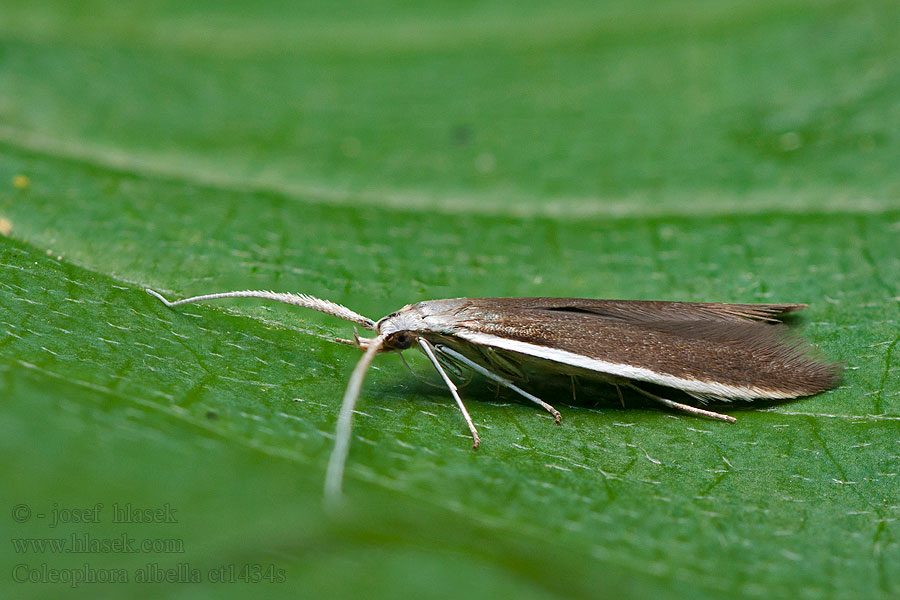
(402, 340)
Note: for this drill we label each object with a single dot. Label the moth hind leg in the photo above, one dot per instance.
(693, 410)
(619, 391)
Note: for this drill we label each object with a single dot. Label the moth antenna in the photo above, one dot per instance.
(304, 300)
(683, 407)
(501, 380)
(426, 347)
(334, 475)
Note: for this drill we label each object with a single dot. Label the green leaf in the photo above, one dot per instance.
(375, 156)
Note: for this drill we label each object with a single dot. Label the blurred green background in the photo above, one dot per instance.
(382, 153)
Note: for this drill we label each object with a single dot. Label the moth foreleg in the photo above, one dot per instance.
(455, 369)
(683, 407)
(501, 380)
(426, 347)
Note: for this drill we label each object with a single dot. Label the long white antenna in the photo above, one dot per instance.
(325, 306)
(334, 476)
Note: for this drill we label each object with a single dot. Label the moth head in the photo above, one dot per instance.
(400, 328)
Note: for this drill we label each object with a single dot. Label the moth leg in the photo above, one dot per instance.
(621, 397)
(416, 375)
(505, 365)
(453, 369)
(426, 347)
(500, 380)
(683, 407)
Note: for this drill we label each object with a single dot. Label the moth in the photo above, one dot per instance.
(710, 351)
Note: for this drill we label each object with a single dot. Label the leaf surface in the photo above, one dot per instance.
(692, 151)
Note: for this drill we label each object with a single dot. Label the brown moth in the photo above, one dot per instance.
(711, 351)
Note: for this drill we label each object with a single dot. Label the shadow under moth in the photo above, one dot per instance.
(710, 351)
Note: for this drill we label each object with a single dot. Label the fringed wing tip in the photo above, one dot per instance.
(760, 312)
(830, 375)
(799, 369)
(784, 309)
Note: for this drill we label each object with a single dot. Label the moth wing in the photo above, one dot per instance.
(726, 353)
(640, 311)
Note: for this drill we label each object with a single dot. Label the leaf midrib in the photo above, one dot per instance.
(709, 204)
